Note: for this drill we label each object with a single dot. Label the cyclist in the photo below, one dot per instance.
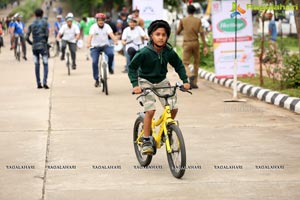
(148, 68)
(1, 33)
(70, 34)
(133, 37)
(18, 30)
(98, 38)
(40, 33)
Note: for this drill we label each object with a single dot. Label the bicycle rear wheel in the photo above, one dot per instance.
(144, 160)
(68, 63)
(104, 78)
(177, 158)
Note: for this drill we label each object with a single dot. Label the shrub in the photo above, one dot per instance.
(291, 71)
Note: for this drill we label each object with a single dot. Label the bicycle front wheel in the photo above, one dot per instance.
(176, 158)
(18, 53)
(104, 78)
(144, 160)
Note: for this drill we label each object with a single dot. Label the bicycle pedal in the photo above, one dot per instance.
(147, 153)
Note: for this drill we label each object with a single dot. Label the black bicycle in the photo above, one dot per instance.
(17, 49)
(68, 63)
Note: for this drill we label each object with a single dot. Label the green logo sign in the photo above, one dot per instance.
(228, 25)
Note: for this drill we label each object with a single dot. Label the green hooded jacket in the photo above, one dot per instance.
(152, 66)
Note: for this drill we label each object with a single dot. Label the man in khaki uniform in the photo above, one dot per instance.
(192, 26)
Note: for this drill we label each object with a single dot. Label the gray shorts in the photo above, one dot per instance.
(149, 100)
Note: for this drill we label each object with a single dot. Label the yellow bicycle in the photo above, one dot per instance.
(169, 134)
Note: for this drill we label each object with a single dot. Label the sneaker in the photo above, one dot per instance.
(39, 86)
(97, 83)
(46, 86)
(147, 147)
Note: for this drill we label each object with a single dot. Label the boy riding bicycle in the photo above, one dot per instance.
(148, 68)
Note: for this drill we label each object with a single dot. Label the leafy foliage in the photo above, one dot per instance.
(291, 71)
(27, 9)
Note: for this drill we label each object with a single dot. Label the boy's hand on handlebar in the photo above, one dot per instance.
(187, 86)
(137, 90)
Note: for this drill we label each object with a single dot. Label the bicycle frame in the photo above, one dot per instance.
(162, 122)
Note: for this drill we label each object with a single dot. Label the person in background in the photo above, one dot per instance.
(57, 24)
(136, 15)
(272, 44)
(1, 35)
(70, 34)
(18, 30)
(272, 33)
(113, 26)
(133, 37)
(84, 33)
(192, 26)
(40, 33)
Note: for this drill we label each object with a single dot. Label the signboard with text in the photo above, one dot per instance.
(224, 23)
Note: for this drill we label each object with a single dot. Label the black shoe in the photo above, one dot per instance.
(111, 71)
(39, 86)
(147, 147)
(46, 86)
(74, 66)
(62, 58)
(97, 83)
(24, 57)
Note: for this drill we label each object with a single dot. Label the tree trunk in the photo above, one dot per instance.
(297, 20)
(262, 50)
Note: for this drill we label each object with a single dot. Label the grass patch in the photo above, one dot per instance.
(282, 42)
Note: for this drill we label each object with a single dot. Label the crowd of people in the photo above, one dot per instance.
(148, 53)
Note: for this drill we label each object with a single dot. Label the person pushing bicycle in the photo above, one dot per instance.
(148, 68)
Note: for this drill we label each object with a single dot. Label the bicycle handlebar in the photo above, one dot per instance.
(147, 90)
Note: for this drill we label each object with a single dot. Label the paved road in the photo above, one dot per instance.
(60, 144)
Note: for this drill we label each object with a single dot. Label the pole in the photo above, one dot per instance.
(235, 65)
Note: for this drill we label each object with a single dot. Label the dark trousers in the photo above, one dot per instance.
(72, 49)
(43, 53)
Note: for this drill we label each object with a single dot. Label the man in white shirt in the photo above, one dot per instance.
(133, 37)
(98, 42)
(70, 34)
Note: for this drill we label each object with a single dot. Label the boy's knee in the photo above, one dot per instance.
(150, 112)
